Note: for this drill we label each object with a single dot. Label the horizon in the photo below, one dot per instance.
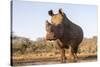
(29, 17)
(44, 37)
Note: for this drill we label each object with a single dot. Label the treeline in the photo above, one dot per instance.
(88, 45)
(22, 45)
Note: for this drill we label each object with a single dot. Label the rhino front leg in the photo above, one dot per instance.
(63, 57)
(62, 51)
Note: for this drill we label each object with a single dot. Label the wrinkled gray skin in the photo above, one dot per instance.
(67, 34)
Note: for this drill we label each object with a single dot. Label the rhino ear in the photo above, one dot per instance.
(61, 11)
(50, 12)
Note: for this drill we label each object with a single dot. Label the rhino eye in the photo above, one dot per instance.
(59, 26)
(48, 28)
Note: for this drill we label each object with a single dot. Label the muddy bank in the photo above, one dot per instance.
(51, 60)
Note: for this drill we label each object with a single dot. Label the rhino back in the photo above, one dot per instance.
(72, 33)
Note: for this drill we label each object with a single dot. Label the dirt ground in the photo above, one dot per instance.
(50, 58)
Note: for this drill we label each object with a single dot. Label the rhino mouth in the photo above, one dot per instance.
(50, 37)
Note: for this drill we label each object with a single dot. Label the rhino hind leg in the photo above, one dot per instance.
(75, 50)
(73, 54)
(76, 58)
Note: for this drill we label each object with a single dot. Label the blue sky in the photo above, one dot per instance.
(29, 17)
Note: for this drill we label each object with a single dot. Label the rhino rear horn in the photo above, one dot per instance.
(47, 23)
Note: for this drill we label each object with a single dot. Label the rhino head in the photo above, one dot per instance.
(54, 31)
